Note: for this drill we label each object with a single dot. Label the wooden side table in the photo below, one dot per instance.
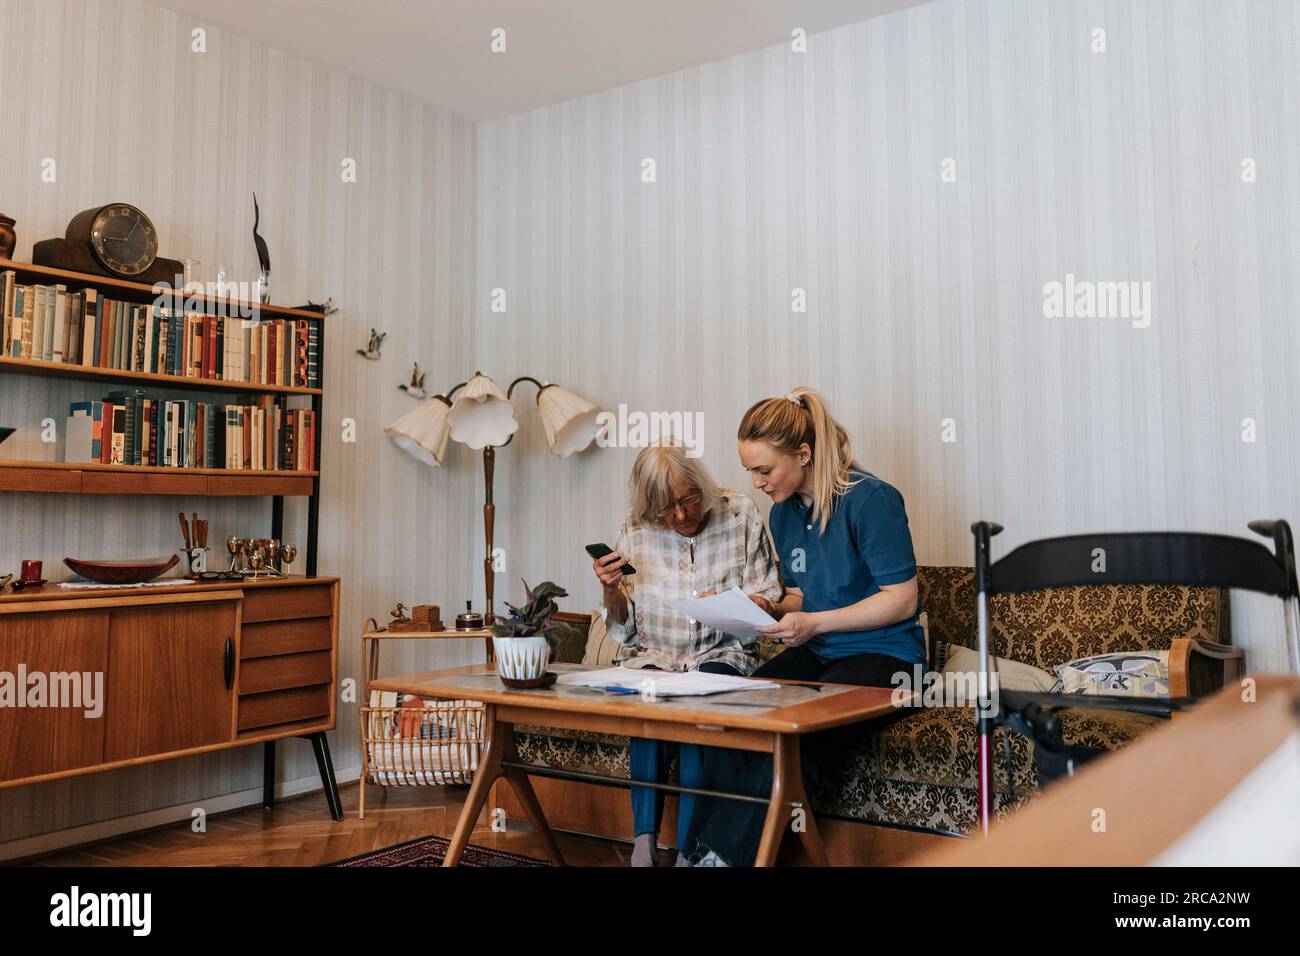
(455, 712)
(370, 643)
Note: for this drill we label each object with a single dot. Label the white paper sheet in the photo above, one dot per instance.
(666, 683)
(731, 612)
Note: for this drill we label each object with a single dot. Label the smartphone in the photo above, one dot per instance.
(598, 551)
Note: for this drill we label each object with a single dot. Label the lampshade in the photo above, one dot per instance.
(571, 422)
(423, 430)
(482, 415)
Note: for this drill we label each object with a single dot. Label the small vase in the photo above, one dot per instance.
(8, 238)
(522, 661)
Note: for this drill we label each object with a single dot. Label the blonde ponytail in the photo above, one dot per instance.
(803, 416)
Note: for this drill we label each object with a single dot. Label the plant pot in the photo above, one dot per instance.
(522, 661)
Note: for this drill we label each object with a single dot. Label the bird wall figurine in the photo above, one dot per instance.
(371, 351)
(416, 388)
(263, 255)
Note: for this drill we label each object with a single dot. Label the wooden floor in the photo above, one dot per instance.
(299, 832)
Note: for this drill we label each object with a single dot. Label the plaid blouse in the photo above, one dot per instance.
(733, 549)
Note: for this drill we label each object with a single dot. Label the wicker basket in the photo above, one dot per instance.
(420, 742)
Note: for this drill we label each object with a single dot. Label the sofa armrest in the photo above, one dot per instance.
(1198, 668)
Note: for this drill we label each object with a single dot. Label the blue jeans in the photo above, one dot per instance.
(732, 829)
(649, 760)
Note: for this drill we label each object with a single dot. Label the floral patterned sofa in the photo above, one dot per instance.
(918, 769)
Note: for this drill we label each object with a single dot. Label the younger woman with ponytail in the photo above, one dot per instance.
(850, 614)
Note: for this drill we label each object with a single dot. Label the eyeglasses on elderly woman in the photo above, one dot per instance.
(685, 503)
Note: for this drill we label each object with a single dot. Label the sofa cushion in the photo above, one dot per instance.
(602, 650)
(1011, 675)
(1129, 674)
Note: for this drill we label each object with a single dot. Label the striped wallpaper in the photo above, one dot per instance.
(111, 90)
(825, 171)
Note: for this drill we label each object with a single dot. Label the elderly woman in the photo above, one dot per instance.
(686, 538)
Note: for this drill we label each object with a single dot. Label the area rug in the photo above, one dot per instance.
(430, 851)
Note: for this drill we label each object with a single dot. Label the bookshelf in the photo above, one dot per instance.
(48, 477)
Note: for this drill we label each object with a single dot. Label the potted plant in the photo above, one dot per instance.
(525, 641)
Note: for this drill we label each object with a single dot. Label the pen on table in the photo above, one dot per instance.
(619, 689)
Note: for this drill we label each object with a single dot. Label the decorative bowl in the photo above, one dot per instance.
(122, 572)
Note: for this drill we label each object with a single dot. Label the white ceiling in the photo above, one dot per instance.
(438, 50)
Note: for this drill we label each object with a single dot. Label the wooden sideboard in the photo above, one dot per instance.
(186, 669)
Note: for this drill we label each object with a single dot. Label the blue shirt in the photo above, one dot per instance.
(866, 544)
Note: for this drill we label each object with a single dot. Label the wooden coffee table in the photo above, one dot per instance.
(764, 721)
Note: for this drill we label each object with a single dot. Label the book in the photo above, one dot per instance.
(112, 359)
(150, 340)
(220, 372)
(38, 322)
(139, 328)
(182, 407)
(311, 439)
(173, 342)
(90, 304)
(72, 351)
(106, 443)
(196, 346)
(203, 346)
(210, 458)
(286, 441)
(164, 356)
(117, 451)
(155, 456)
(81, 433)
(78, 438)
(313, 354)
(58, 329)
(272, 351)
(167, 425)
(8, 280)
(143, 427)
(254, 352)
(51, 295)
(97, 435)
(206, 325)
(103, 319)
(29, 321)
(129, 400)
